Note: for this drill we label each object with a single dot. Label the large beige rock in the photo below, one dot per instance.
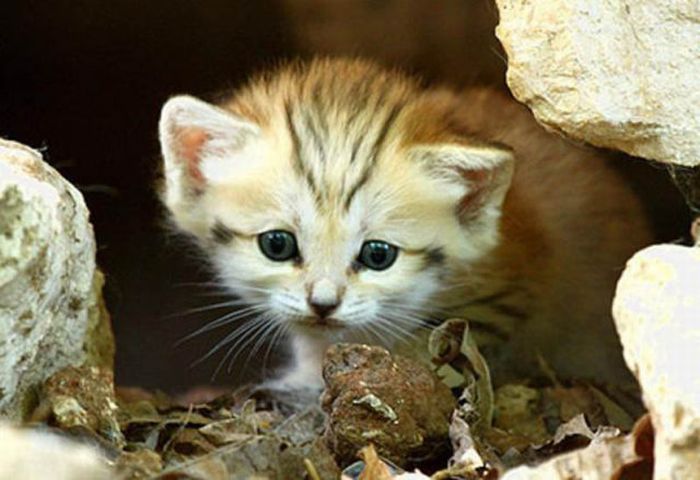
(657, 314)
(623, 75)
(51, 311)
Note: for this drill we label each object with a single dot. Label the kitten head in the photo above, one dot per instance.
(333, 195)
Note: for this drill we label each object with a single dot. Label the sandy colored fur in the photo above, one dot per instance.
(569, 224)
(333, 159)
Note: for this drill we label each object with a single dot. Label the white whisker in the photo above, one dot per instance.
(241, 330)
(278, 335)
(221, 321)
(265, 323)
(205, 308)
(239, 344)
(387, 328)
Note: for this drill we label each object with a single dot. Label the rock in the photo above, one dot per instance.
(37, 455)
(657, 314)
(51, 310)
(394, 403)
(81, 398)
(621, 75)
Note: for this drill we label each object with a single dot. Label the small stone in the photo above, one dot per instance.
(82, 397)
(394, 403)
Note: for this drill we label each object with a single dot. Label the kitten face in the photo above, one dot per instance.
(332, 207)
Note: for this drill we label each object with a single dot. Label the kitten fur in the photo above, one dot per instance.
(496, 220)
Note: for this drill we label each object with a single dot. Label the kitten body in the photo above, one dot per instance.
(490, 217)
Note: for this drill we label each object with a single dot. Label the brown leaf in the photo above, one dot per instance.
(374, 469)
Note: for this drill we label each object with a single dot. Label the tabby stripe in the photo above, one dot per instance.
(360, 100)
(355, 148)
(433, 257)
(489, 328)
(509, 311)
(320, 107)
(221, 233)
(363, 179)
(298, 163)
(500, 295)
(317, 140)
(381, 137)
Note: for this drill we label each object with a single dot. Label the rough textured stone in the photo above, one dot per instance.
(36, 455)
(82, 397)
(51, 311)
(396, 404)
(657, 313)
(622, 75)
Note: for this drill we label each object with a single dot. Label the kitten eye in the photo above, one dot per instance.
(377, 255)
(278, 245)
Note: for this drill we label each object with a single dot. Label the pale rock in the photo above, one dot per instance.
(657, 314)
(37, 455)
(622, 75)
(51, 310)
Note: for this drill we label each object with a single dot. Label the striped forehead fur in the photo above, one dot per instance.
(341, 115)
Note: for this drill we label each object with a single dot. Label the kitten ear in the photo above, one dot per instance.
(483, 172)
(196, 138)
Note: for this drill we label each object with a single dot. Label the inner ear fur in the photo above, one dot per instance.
(192, 132)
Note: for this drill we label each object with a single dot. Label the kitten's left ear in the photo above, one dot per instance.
(483, 171)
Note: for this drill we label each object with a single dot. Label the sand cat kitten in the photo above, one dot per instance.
(342, 200)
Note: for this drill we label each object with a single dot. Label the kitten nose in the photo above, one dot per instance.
(324, 297)
(322, 309)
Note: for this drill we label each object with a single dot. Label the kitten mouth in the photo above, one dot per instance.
(320, 323)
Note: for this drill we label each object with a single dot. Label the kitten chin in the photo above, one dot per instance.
(301, 383)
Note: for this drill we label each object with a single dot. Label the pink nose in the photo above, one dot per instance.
(323, 309)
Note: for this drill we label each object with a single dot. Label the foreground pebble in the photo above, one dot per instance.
(393, 403)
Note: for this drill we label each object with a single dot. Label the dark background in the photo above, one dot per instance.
(84, 80)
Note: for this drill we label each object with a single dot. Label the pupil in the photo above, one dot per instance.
(277, 243)
(378, 254)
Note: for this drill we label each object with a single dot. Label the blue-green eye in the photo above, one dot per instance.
(377, 255)
(278, 245)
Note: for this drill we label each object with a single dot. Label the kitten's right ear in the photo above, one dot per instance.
(198, 141)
